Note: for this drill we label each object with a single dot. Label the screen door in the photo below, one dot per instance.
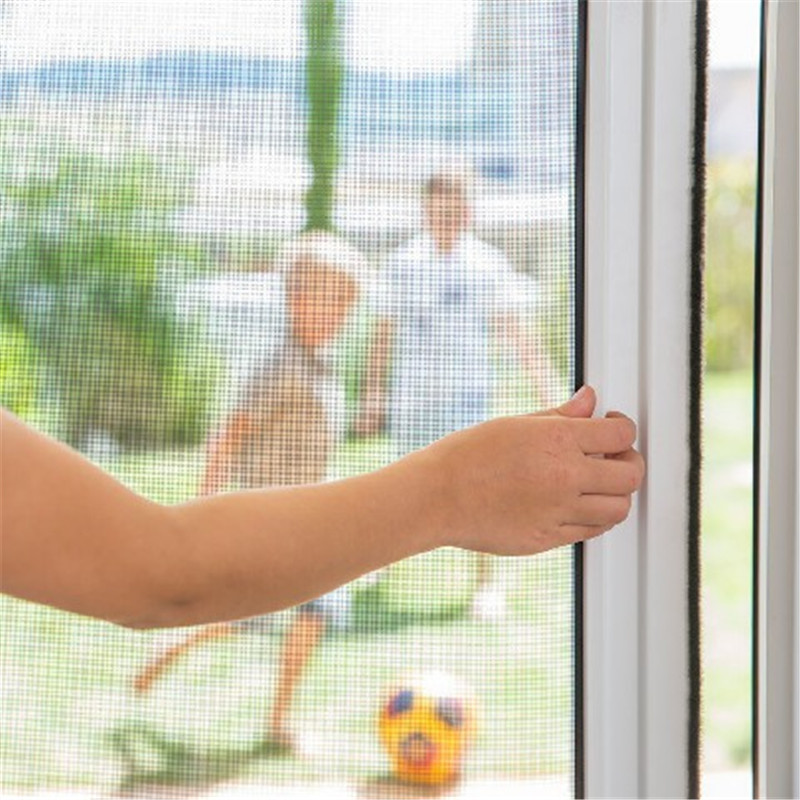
(252, 244)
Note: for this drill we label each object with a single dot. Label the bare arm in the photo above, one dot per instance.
(220, 452)
(533, 359)
(372, 413)
(75, 538)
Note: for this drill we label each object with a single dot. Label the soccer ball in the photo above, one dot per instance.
(425, 725)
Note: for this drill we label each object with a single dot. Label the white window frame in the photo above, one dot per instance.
(640, 108)
(778, 645)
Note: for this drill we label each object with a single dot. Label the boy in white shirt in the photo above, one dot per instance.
(445, 296)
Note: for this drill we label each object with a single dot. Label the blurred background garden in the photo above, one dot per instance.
(151, 168)
(727, 482)
(129, 187)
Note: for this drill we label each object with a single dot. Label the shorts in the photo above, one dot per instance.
(334, 607)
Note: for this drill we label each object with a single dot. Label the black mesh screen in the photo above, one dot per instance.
(250, 244)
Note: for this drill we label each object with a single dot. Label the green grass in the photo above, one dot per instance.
(68, 684)
(727, 568)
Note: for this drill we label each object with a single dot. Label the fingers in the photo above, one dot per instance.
(572, 534)
(616, 475)
(605, 436)
(599, 510)
(581, 404)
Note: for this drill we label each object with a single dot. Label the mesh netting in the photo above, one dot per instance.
(166, 311)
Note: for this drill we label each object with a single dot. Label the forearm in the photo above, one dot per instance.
(220, 452)
(247, 553)
(533, 359)
(75, 538)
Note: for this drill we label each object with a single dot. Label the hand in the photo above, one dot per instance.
(371, 418)
(521, 485)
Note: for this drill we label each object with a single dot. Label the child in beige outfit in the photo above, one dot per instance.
(282, 432)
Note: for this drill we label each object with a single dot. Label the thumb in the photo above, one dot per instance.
(581, 404)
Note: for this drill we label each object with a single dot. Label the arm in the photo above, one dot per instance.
(371, 418)
(536, 363)
(75, 538)
(386, 302)
(221, 449)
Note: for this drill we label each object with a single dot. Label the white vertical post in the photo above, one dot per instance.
(638, 256)
(613, 222)
(778, 754)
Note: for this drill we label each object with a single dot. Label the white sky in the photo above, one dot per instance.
(734, 33)
(405, 35)
(388, 34)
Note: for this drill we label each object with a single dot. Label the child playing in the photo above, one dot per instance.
(286, 423)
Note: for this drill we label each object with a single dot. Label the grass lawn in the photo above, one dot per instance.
(727, 569)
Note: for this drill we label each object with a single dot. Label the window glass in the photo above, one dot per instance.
(727, 550)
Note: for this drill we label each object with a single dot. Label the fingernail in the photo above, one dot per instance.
(581, 392)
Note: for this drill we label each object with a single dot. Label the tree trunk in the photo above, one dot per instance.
(324, 73)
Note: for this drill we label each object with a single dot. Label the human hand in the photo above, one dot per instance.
(521, 485)
(371, 417)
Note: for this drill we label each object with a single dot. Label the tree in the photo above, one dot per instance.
(324, 78)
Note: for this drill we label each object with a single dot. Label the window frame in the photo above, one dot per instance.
(638, 690)
(776, 716)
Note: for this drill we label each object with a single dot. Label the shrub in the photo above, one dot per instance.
(730, 249)
(87, 268)
(18, 378)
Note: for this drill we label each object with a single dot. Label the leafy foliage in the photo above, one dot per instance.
(88, 263)
(17, 370)
(730, 264)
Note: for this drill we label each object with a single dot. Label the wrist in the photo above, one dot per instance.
(420, 481)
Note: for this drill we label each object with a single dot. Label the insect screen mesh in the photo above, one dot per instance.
(164, 312)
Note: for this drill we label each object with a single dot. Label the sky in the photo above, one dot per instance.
(391, 35)
(734, 33)
(395, 35)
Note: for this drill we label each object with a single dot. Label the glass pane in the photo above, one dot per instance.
(727, 550)
(164, 313)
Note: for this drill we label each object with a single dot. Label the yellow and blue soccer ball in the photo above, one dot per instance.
(426, 725)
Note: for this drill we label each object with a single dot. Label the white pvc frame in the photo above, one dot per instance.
(638, 234)
(778, 719)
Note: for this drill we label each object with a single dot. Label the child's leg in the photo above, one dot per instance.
(300, 643)
(221, 450)
(144, 681)
(489, 599)
(484, 577)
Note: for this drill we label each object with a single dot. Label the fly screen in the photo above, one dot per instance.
(253, 244)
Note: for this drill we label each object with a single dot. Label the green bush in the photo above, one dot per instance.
(730, 249)
(88, 264)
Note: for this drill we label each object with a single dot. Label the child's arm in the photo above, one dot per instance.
(75, 538)
(531, 356)
(372, 414)
(221, 451)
